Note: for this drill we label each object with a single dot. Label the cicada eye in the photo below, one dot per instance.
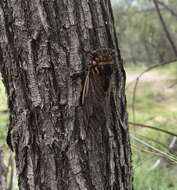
(104, 51)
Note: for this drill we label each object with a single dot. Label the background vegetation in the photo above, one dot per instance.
(143, 43)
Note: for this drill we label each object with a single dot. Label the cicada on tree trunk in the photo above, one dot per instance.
(100, 68)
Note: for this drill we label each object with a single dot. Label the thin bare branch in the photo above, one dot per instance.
(174, 48)
(153, 140)
(150, 68)
(173, 13)
(11, 165)
(152, 127)
(137, 80)
(148, 151)
(4, 112)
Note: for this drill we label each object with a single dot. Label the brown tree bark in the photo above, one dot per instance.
(59, 143)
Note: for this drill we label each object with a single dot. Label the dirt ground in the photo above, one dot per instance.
(148, 76)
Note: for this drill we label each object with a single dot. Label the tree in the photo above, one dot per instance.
(60, 143)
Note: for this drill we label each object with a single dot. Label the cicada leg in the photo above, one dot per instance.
(86, 87)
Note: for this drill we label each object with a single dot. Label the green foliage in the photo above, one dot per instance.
(141, 36)
(3, 117)
(160, 178)
(155, 105)
(172, 68)
(3, 128)
(3, 99)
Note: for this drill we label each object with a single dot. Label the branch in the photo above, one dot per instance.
(148, 151)
(172, 85)
(137, 80)
(173, 13)
(150, 68)
(167, 154)
(165, 28)
(11, 167)
(153, 140)
(151, 127)
(4, 111)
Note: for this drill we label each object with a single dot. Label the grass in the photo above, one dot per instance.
(172, 68)
(3, 128)
(3, 117)
(159, 178)
(3, 99)
(155, 105)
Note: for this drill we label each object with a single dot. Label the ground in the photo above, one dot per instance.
(156, 105)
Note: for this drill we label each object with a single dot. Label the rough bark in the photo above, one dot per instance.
(59, 143)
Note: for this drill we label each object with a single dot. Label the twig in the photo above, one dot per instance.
(172, 85)
(137, 80)
(170, 147)
(150, 68)
(170, 156)
(4, 111)
(148, 151)
(134, 98)
(151, 127)
(168, 35)
(11, 164)
(173, 13)
(153, 140)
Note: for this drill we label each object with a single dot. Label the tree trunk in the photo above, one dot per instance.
(60, 143)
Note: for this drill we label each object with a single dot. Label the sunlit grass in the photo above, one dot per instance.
(172, 68)
(3, 128)
(3, 97)
(3, 116)
(160, 178)
(155, 104)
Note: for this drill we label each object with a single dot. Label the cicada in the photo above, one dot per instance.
(102, 62)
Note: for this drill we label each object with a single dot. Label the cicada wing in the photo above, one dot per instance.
(86, 87)
(87, 83)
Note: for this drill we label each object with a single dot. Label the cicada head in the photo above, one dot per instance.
(103, 55)
(103, 64)
(103, 60)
